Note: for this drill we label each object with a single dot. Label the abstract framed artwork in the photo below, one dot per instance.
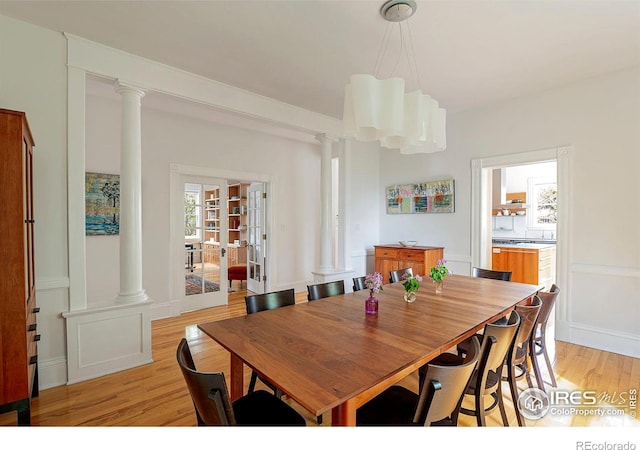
(421, 198)
(102, 204)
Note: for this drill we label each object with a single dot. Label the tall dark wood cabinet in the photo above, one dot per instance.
(18, 327)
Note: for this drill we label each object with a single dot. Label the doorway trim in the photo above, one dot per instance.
(481, 217)
(176, 171)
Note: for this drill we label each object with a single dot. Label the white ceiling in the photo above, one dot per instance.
(302, 52)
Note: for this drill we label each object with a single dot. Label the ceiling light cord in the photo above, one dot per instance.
(413, 58)
(407, 50)
(382, 51)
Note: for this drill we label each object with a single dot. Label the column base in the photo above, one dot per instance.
(132, 298)
(324, 276)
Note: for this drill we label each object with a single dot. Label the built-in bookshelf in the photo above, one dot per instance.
(236, 220)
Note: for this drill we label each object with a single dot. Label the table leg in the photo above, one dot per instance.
(344, 415)
(237, 384)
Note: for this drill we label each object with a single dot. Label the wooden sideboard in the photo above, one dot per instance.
(395, 256)
(18, 327)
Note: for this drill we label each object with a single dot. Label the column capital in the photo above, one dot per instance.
(124, 87)
(325, 138)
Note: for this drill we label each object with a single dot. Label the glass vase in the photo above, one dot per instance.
(371, 305)
(410, 297)
(438, 287)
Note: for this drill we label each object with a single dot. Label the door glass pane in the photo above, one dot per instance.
(255, 235)
(202, 247)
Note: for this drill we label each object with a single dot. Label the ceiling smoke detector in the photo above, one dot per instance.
(398, 10)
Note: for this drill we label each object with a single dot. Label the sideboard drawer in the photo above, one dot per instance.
(388, 253)
(411, 255)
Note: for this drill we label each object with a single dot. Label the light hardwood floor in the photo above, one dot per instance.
(156, 395)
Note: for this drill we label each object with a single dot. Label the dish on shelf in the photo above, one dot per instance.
(408, 243)
(520, 213)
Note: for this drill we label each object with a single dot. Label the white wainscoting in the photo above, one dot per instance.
(107, 340)
(457, 264)
(52, 296)
(604, 308)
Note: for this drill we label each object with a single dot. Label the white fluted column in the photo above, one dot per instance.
(326, 241)
(131, 196)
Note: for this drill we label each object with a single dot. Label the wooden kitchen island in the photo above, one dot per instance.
(528, 263)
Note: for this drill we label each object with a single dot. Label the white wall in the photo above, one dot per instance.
(518, 176)
(600, 119)
(33, 80)
(365, 205)
(450, 231)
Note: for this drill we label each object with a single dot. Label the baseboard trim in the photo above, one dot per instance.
(54, 371)
(599, 338)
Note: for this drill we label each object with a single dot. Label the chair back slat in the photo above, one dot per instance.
(492, 274)
(451, 381)
(548, 300)
(494, 357)
(528, 317)
(396, 275)
(324, 290)
(270, 300)
(358, 284)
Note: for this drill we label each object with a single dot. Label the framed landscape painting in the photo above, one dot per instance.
(421, 198)
(102, 204)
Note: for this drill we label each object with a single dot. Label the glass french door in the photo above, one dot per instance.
(257, 238)
(205, 242)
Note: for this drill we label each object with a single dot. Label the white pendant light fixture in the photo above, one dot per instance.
(377, 109)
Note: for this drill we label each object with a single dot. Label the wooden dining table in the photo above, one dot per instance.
(328, 355)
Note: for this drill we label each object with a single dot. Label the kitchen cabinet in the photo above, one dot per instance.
(528, 263)
(516, 203)
(394, 256)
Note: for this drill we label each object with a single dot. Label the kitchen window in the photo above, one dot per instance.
(543, 201)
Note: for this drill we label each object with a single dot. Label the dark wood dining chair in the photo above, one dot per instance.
(493, 274)
(212, 405)
(324, 290)
(263, 302)
(396, 275)
(540, 333)
(522, 353)
(358, 284)
(486, 380)
(437, 404)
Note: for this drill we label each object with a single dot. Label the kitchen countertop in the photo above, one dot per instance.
(525, 245)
